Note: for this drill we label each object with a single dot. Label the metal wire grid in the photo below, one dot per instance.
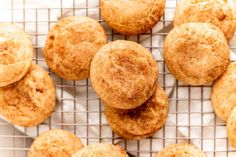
(181, 107)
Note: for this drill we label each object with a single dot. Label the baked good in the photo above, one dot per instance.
(71, 45)
(218, 12)
(131, 17)
(196, 53)
(29, 101)
(124, 74)
(101, 150)
(223, 96)
(55, 143)
(181, 150)
(142, 121)
(231, 127)
(16, 54)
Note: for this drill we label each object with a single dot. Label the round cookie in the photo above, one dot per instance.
(132, 17)
(181, 150)
(16, 54)
(223, 93)
(142, 121)
(196, 53)
(124, 74)
(71, 45)
(29, 101)
(101, 150)
(217, 12)
(231, 128)
(55, 143)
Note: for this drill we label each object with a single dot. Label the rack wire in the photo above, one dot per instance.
(190, 108)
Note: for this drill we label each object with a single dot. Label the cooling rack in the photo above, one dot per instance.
(79, 110)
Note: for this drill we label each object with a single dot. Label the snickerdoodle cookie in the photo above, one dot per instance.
(223, 95)
(132, 16)
(101, 150)
(217, 12)
(71, 45)
(231, 127)
(196, 53)
(16, 54)
(181, 150)
(55, 143)
(29, 101)
(142, 121)
(124, 74)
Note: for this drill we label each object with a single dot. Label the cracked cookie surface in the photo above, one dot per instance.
(142, 121)
(16, 54)
(71, 45)
(124, 74)
(196, 53)
(218, 12)
(131, 17)
(29, 101)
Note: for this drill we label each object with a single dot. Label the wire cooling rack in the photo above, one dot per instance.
(191, 118)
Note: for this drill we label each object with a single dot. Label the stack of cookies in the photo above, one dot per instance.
(196, 50)
(27, 93)
(124, 75)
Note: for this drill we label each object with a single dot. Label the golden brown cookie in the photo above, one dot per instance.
(181, 150)
(131, 17)
(16, 54)
(142, 121)
(71, 45)
(196, 53)
(124, 74)
(101, 150)
(55, 143)
(217, 12)
(223, 96)
(231, 127)
(29, 101)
